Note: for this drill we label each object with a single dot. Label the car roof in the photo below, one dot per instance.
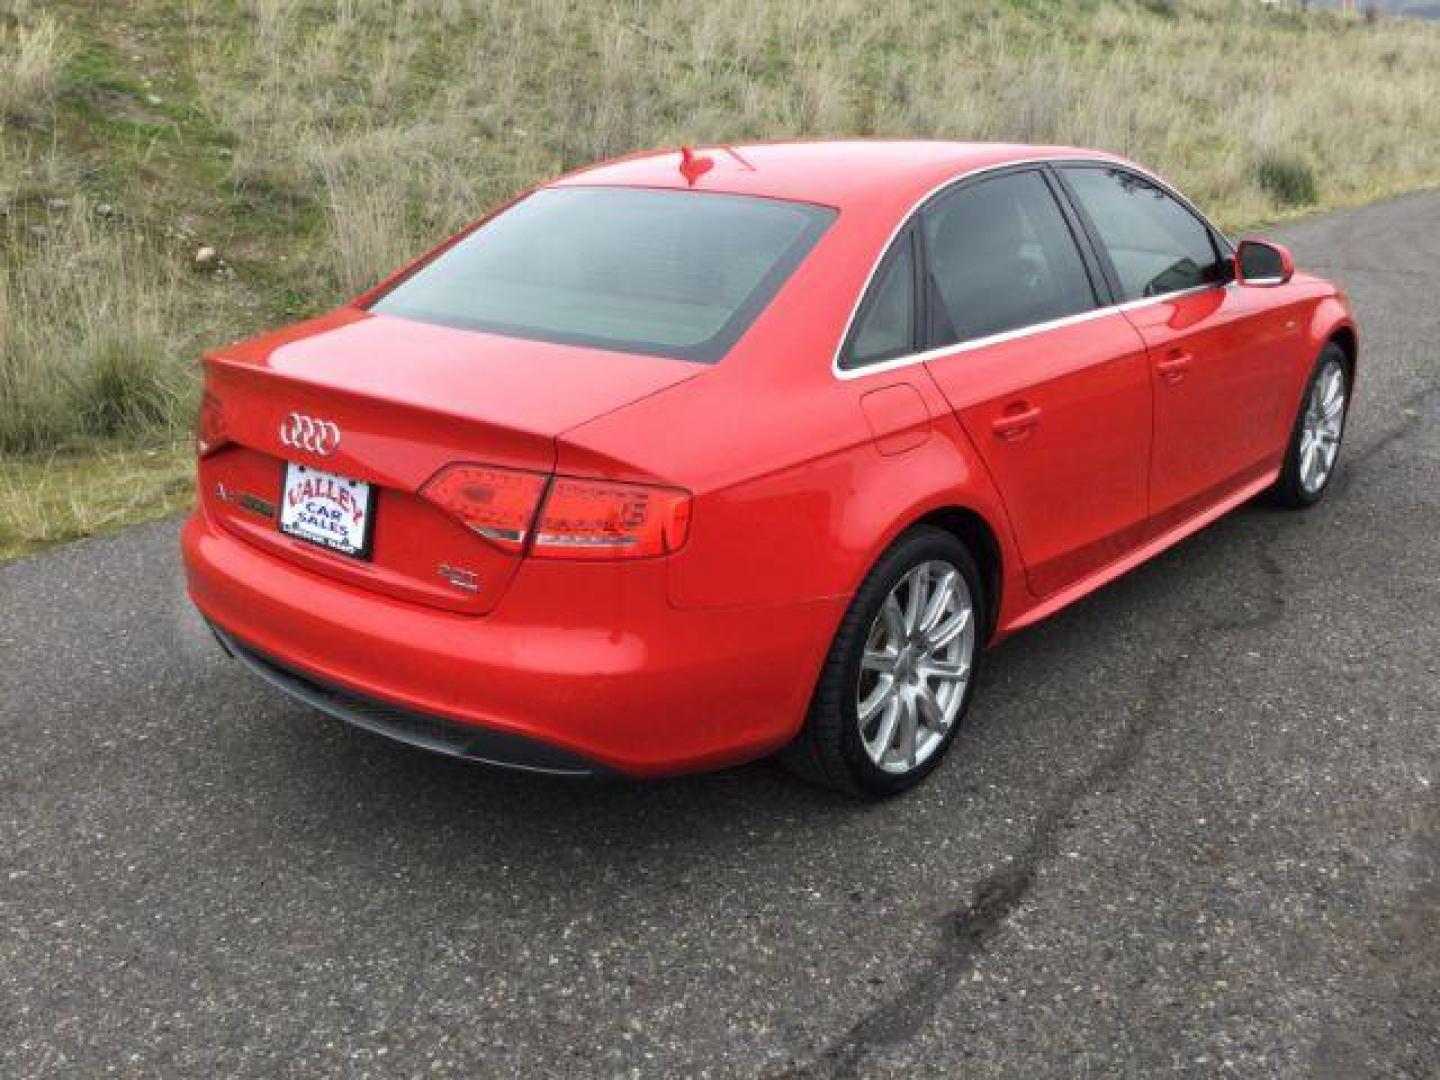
(847, 175)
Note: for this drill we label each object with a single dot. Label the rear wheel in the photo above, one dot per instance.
(1315, 440)
(900, 672)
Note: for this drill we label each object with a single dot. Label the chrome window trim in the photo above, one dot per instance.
(956, 347)
(1021, 331)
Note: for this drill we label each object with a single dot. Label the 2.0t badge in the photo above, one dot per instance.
(307, 433)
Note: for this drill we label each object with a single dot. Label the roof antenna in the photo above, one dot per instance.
(738, 157)
(693, 165)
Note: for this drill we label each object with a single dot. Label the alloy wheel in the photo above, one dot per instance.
(916, 666)
(1322, 427)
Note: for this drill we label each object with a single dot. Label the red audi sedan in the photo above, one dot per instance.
(693, 457)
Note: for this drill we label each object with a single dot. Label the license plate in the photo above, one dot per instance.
(325, 509)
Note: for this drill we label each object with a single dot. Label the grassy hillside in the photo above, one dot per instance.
(176, 173)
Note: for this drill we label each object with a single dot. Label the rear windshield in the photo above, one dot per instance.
(667, 273)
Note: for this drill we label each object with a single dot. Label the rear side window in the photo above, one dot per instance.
(1001, 257)
(1155, 244)
(666, 273)
(886, 325)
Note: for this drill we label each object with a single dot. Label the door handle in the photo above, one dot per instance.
(1172, 366)
(1017, 421)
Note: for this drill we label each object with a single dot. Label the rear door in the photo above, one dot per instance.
(1216, 359)
(1049, 382)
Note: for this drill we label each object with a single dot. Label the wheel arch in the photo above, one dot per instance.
(1348, 340)
(1332, 322)
(972, 529)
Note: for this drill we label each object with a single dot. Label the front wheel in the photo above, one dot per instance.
(1315, 440)
(900, 672)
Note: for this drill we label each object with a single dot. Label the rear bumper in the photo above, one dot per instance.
(431, 733)
(582, 669)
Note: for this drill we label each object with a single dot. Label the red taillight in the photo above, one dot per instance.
(499, 504)
(209, 425)
(597, 519)
(579, 519)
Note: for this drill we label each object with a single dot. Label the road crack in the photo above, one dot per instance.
(965, 930)
(1413, 408)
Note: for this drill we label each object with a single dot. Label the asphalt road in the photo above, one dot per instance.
(1193, 826)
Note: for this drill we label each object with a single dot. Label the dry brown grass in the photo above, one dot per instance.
(440, 107)
(89, 318)
(33, 52)
(319, 143)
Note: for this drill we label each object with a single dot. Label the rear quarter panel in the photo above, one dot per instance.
(796, 496)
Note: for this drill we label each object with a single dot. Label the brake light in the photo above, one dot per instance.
(575, 519)
(209, 425)
(597, 519)
(499, 504)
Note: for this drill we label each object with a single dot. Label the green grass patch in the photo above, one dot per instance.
(1288, 179)
(84, 492)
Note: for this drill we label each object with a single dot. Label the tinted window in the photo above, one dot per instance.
(1155, 244)
(671, 273)
(1001, 257)
(886, 328)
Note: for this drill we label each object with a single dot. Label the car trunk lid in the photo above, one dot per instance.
(405, 400)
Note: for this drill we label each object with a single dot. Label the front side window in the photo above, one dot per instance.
(665, 273)
(1000, 257)
(1155, 244)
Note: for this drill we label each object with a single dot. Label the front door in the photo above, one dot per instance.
(1215, 402)
(1214, 370)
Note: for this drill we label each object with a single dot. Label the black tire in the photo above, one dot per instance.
(1290, 490)
(829, 750)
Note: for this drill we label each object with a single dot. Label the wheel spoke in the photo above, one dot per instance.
(893, 617)
(1334, 388)
(878, 660)
(909, 729)
(886, 733)
(928, 708)
(884, 692)
(944, 670)
(919, 585)
(948, 631)
(940, 597)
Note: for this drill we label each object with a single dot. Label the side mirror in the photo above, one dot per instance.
(1261, 263)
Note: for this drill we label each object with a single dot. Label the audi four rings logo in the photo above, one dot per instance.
(306, 433)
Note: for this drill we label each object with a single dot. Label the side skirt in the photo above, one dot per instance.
(1149, 550)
